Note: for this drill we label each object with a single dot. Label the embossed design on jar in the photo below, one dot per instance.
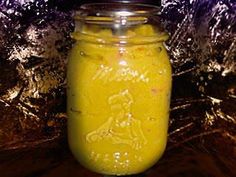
(121, 127)
(116, 160)
(109, 74)
(95, 156)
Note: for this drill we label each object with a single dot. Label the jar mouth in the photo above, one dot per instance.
(116, 13)
(120, 19)
(117, 10)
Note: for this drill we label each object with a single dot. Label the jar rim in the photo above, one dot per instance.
(117, 10)
(119, 18)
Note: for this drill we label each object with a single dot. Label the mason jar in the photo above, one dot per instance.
(119, 86)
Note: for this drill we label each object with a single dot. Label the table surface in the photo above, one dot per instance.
(55, 160)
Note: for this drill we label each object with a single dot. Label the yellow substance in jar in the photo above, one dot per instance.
(118, 104)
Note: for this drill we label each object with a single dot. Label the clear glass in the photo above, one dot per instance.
(119, 85)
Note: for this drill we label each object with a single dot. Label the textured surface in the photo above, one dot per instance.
(34, 45)
(34, 42)
(203, 117)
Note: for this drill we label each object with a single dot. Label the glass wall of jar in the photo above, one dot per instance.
(119, 85)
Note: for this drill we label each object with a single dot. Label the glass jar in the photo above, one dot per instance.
(119, 85)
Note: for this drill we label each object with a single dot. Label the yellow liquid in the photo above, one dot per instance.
(118, 106)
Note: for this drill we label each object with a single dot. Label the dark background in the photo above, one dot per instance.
(34, 43)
